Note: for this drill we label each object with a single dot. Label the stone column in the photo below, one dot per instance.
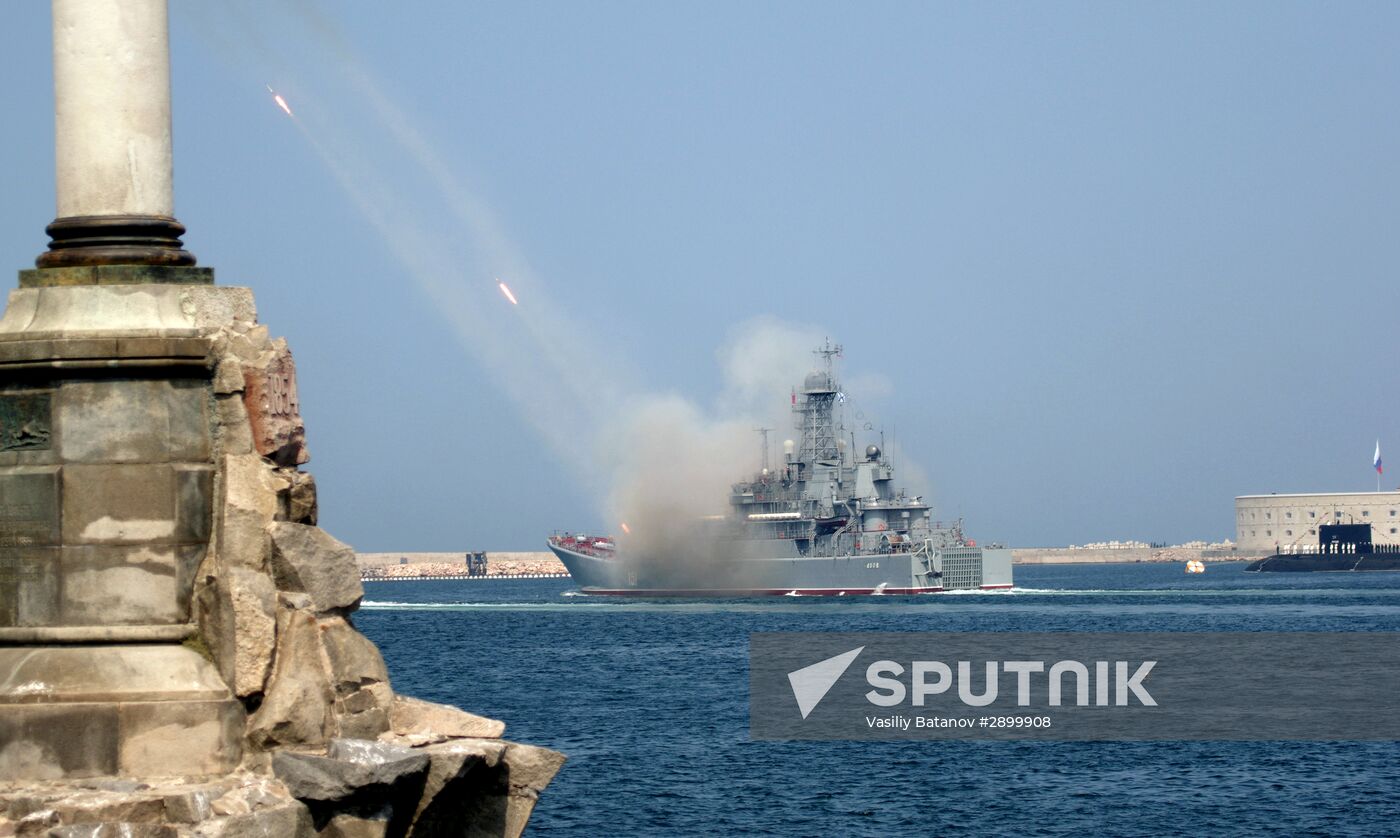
(112, 136)
(108, 445)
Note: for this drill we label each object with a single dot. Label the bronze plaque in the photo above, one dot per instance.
(25, 421)
(29, 506)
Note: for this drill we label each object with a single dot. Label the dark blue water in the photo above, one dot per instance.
(649, 700)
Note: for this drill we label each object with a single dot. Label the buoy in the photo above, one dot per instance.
(1195, 566)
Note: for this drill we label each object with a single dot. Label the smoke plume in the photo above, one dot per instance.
(660, 461)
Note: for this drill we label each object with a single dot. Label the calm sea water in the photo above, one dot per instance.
(649, 700)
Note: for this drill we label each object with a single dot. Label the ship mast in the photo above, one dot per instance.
(764, 433)
(815, 411)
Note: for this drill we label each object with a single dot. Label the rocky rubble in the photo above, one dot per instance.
(329, 749)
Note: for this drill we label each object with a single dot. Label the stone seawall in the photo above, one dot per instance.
(1079, 555)
(453, 565)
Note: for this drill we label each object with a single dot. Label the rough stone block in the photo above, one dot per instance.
(289, 820)
(448, 765)
(349, 766)
(350, 826)
(364, 724)
(180, 738)
(250, 504)
(413, 717)
(528, 770)
(119, 504)
(228, 376)
(301, 498)
(357, 780)
(238, 619)
(189, 806)
(360, 679)
(133, 421)
(296, 709)
(355, 660)
(235, 435)
(495, 795)
(307, 559)
(114, 829)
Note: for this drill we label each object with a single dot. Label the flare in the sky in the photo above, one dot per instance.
(505, 289)
(281, 103)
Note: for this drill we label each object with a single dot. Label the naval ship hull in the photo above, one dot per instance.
(1290, 563)
(899, 573)
(1341, 548)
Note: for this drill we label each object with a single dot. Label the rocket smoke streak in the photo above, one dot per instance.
(655, 458)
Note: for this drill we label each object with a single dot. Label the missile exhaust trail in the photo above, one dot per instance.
(281, 103)
(505, 289)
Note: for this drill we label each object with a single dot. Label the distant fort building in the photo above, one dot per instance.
(1263, 521)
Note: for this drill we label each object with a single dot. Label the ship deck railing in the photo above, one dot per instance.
(585, 545)
(1338, 549)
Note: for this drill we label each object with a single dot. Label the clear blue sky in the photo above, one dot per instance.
(1117, 262)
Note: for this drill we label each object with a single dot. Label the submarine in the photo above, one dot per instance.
(1339, 548)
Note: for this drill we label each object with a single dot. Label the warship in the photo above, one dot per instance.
(1340, 547)
(820, 522)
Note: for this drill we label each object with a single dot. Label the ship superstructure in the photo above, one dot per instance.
(821, 521)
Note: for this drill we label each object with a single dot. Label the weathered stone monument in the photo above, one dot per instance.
(176, 646)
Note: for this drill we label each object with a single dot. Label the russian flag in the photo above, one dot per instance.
(1377, 461)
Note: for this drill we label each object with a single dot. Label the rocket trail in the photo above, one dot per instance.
(281, 103)
(505, 289)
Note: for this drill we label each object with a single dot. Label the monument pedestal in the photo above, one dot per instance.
(107, 480)
(120, 710)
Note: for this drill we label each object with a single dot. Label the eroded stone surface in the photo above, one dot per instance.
(250, 505)
(308, 560)
(235, 805)
(493, 789)
(299, 701)
(349, 767)
(423, 721)
(302, 507)
(239, 623)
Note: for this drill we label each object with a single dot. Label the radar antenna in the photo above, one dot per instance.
(826, 352)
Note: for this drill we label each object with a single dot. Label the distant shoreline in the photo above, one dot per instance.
(394, 567)
(1126, 555)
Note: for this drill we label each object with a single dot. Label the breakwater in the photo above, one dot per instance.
(399, 567)
(1124, 555)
